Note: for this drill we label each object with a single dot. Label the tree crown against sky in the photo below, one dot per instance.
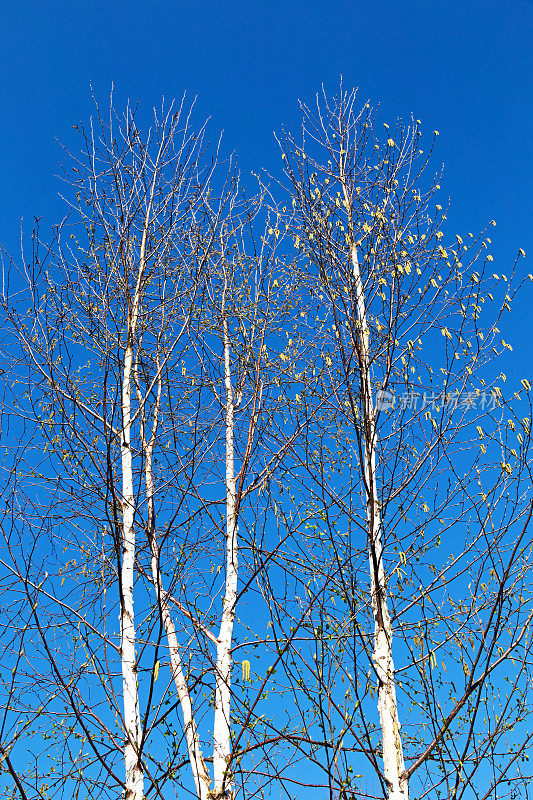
(267, 491)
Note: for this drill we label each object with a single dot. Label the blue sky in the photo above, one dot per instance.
(464, 68)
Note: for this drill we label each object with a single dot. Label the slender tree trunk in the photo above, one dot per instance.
(223, 784)
(130, 686)
(393, 760)
(198, 766)
(134, 775)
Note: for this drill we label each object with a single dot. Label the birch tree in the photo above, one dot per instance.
(418, 465)
(267, 489)
(236, 385)
(138, 343)
(124, 267)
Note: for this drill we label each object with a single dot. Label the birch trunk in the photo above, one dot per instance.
(223, 784)
(130, 687)
(198, 766)
(393, 760)
(134, 774)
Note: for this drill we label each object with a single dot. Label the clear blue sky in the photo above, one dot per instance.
(461, 66)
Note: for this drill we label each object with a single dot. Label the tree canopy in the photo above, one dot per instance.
(267, 491)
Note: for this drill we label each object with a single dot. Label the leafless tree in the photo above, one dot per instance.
(137, 347)
(267, 499)
(411, 488)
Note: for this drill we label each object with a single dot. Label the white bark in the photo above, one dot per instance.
(393, 760)
(223, 784)
(130, 690)
(134, 775)
(198, 766)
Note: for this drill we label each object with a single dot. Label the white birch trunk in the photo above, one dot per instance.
(393, 760)
(134, 775)
(223, 784)
(198, 766)
(130, 686)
